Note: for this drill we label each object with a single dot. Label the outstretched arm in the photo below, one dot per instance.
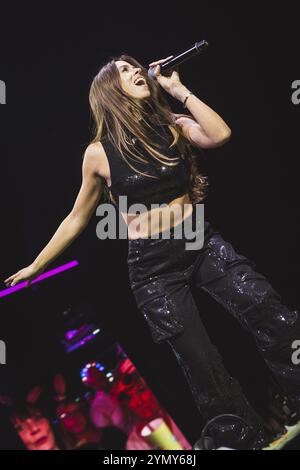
(84, 206)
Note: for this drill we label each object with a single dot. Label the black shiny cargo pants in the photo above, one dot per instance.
(162, 273)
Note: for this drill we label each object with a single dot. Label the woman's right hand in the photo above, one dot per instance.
(26, 274)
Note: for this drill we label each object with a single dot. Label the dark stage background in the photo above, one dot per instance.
(49, 56)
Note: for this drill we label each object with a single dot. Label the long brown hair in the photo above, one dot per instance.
(117, 116)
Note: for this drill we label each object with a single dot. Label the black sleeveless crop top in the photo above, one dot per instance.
(170, 181)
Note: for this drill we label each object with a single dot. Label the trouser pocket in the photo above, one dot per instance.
(159, 310)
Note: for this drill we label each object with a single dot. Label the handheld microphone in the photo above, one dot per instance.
(179, 58)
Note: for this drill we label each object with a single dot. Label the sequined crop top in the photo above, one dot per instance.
(170, 182)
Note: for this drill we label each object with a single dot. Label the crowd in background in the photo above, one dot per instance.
(112, 415)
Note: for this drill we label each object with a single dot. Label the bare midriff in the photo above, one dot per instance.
(158, 220)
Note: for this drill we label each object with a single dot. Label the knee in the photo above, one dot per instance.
(250, 288)
(274, 326)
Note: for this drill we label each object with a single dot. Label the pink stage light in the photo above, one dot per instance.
(52, 272)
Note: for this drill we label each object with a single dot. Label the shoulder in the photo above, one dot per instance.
(93, 151)
(94, 157)
(186, 123)
(183, 119)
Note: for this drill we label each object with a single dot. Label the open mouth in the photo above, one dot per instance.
(41, 441)
(140, 82)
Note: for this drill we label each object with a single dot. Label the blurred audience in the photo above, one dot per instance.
(33, 427)
(133, 392)
(79, 432)
(105, 410)
(112, 417)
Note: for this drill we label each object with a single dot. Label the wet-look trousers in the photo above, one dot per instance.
(162, 274)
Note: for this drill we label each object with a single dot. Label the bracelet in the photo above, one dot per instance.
(186, 98)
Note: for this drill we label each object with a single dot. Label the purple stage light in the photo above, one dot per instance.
(52, 272)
